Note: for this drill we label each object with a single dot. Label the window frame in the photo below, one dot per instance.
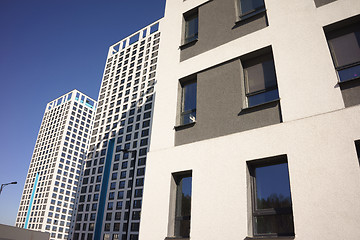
(183, 113)
(255, 60)
(337, 33)
(252, 166)
(188, 17)
(176, 216)
(242, 16)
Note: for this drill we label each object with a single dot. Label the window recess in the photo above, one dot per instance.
(191, 26)
(181, 205)
(249, 8)
(260, 80)
(344, 44)
(188, 102)
(270, 195)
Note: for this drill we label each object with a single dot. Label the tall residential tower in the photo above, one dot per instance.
(49, 195)
(111, 189)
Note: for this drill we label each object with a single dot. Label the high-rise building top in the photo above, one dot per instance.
(112, 186)
(49, 195)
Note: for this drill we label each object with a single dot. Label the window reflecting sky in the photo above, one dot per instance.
(271, 180)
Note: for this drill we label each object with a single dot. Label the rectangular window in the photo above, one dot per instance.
(260, 80)
(191, 26)
(250, 7)
(357, 145)
(271, 197)
(188, 102)
(344, 46)
(183, 183)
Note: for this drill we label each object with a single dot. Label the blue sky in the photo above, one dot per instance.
(48, 48)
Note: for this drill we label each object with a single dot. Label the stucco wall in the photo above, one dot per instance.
(317, 133)
(305, 71)
(323, 169)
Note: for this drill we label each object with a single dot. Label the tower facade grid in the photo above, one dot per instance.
(50, 189)
(111, 189)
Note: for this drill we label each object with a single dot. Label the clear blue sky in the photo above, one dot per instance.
(48, 48)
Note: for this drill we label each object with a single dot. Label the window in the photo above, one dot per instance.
(260, 80)
(191, 26)
(344, 46)
(271, 197)
(183, 183)
(357, 145)
(250, 7)
(188, 102)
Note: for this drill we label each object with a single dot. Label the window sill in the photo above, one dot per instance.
(177, 238)
(244, 17)
(270, 238)
(188, 44)
(259, 106)
(184, 126)
(349, 80)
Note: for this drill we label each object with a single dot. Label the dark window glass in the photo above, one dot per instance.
(117, 215)
(345, 50)
(120, 195)
(188, 111)
(139, 182)
(136, 215)
(191, 27)
(272, 208)
(110, 205)
(183, 205)
(250, 6)
(260, 80)
(134, 227)
(357, 145)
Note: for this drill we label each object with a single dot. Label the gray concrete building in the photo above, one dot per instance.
(255, 131)
(15, 233)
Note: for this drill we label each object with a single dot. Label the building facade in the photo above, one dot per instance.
(49, 196)
(111, 190)
(255, 132)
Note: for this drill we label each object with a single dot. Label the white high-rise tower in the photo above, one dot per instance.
(112, 186)
(49, 195)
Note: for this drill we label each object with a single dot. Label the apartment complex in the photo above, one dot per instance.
(49, 196)
(256, 129)
(111, 190)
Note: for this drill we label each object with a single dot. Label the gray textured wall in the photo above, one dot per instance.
(319, 3)
(219, 105)
(217, 25)
(15, 233)
(351, 92)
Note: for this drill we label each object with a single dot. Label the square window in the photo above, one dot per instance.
(344, 44)
(271, 197)
(188, 102)
(191, 26)
(260, 80)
